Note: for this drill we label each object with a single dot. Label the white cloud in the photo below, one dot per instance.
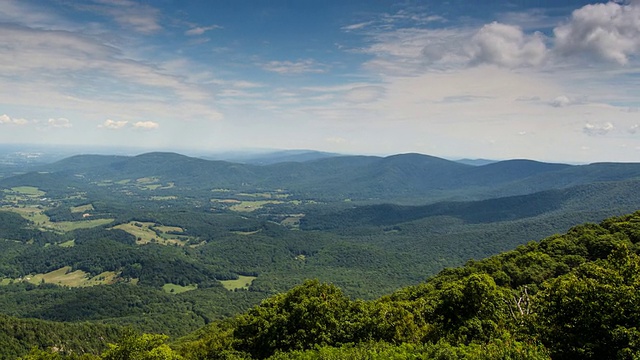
(506, 45)
(6, 119)
(199, 30)
(128, 14)
(63, 69)
(633, 128)
(59, 123)
(593, 130)
(357, 26)
(113, 124)
(608, 31)
(146, 125)
(362, 94)
(295, 67)
(412, 51)
(561, 101)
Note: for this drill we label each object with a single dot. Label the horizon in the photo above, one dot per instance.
(541, 80)
(229, 155)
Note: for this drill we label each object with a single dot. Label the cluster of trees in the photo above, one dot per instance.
(568, 296)
(571, 296)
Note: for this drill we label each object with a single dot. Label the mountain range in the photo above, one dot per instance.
(405, 178)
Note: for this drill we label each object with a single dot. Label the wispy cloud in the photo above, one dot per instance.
(609, 32)
(295, 67)
(597, 129)
(200, 30)
(129, 14)
(64, 68)
(146, 125)
(7, 120)
(113, 124)
(357, 26)
(59, 123)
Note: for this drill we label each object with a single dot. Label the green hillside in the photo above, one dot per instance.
(566, 297)
(164, 243)
(409, 178)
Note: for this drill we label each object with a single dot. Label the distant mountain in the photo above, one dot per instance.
(272, 157)
(404, 178)
(476, 162)
(597, 197)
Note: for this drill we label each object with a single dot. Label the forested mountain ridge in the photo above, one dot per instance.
(565, 297)
(167, 243)
(419, 177)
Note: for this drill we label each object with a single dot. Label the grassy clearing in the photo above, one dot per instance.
(34, 214)
(42, 221)
(5, 281)
(226, 201)
(149, 232)
(66, 226)
(247, 232)
(65, 277)
(82, 208)
(78, 196)
(30, 191)
(292, 221)
(123, 182)
(164, 198)
(150, 186)
(166, 229)
(243, 282)
(105, 278)
(249, 206)
(147, 180)
(177, 289)
(67, 244)
(168, 186)
(141, 230)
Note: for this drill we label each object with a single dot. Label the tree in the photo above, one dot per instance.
(594, 311)
(310, 314)
(143, 347)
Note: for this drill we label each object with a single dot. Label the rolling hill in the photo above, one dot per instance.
(405, 178)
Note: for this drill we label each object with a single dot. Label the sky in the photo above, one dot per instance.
(545, 80)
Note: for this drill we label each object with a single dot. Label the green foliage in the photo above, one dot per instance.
(546, 296)
(569, 296)
(310, 314)
(19, 336)
(594, 311)
(143, 347)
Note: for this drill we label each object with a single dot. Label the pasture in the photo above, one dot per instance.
(177, 289)
(149, 232)
(66, 277)
(241, 283)
(82, 208)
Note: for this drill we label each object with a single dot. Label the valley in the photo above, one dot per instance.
(171, 237)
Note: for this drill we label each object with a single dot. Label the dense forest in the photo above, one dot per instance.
(127, 247)
(567, 296)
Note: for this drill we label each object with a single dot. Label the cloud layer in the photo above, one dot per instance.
(544, 82)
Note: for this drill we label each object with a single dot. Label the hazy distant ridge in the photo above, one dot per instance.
(405, 176)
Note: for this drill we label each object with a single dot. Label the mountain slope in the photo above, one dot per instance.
(622, 195)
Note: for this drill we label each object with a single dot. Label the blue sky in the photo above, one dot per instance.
(545, 80)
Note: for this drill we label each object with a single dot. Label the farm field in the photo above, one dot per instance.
(178, 289)
(242, 282)
(150, 232)
(66, 277)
